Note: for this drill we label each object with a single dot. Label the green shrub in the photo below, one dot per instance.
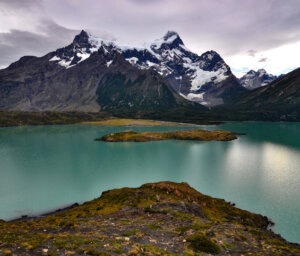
(201, 243)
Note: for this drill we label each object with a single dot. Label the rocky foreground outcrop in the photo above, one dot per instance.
(162, 218)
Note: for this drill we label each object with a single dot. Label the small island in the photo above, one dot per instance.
(163, 218)
(199, 135)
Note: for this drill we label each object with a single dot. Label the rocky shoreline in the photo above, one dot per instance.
(162, 218)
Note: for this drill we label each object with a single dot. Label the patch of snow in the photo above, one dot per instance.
(83, 56)
(195, 97)
(109, 63)
(201, 77)
(65, 63)
(54, 58)
(186, 59)
(158, 42)
(209, 56)
(132, 60)
(184, 47)
(95, 41)
(150, 64)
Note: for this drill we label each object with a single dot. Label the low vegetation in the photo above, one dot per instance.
(202, 135)
(162, 218)
(201, 243)
(18, 118)
(131, 122)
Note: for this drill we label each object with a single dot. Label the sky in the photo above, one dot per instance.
(248, 34)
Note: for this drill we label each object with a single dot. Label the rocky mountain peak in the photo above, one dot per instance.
(169, 34)
(251, 71)
(211, 56)
(170, 40)
(82, 37)
(212, 61)
(261, 70)
(196, 78)
(254, 79)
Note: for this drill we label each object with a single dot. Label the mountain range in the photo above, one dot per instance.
(255, 79)
(159, 79)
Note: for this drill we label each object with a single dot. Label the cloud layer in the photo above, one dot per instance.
(245, 33)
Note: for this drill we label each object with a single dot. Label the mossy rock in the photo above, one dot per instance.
(201, 243)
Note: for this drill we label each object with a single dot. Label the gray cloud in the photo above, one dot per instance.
(230, 27)
(251, 53)
(18, 43)
(263, 60)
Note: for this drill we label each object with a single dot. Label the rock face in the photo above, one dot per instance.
(255, 79)
(163, 218)
(92, 74)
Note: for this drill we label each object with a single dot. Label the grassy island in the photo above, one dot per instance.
(201, 135)
(162, 218)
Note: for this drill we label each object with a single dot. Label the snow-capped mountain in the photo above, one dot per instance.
(158, 81)
(206, 79)
(191, 76)
(88, 75)
(254, 79)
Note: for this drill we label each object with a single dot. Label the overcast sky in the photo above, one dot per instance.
(248, 34)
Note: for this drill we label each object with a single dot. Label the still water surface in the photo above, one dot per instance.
(46, 167)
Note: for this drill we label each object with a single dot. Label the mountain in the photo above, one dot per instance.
(279, 100)
(162, 80)
(92, 74)
(255, 79)
(87, 75)
(206, 79)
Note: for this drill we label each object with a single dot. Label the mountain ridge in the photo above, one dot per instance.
(193, 77)
(255, 79)
(69, 78)
(163, 80)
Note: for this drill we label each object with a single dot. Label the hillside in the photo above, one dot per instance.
(162, 218)
(279, 100)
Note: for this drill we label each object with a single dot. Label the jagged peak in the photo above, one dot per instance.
(83, 36)
(211, 55)
(170, 33)
(251, 71)
(170, 40)
(261, 70)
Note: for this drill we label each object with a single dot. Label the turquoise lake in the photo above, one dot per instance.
(46, 167)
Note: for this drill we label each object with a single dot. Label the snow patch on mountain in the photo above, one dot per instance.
(202, 77)
(189, 74)
(195, 97)
(132, 60)
(109, 63)
(54, 58)
(255, 79)
(158, 42)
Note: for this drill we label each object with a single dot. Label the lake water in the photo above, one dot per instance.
(46, 167)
